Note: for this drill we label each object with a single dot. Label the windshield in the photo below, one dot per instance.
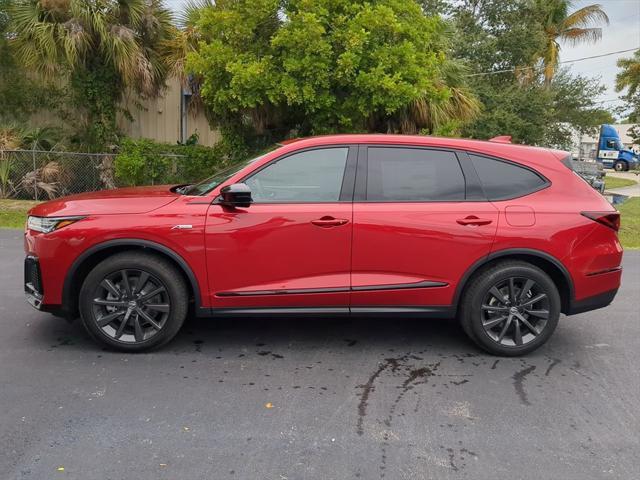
(205, 186)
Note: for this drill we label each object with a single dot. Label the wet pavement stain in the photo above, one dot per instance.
(415, 377)
(274, 355)
(554, 362)
(576, 368)
(452, 457)
(367, 389)
(518, 383)
(461, 382)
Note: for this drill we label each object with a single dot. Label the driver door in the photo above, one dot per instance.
(292, 247)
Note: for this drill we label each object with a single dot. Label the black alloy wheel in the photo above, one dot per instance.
(134, 301)
(131, 305)
(510, 308)
(515, 311)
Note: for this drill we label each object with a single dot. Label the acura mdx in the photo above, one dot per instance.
(503, 237)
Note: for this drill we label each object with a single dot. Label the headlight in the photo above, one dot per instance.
(49, 224)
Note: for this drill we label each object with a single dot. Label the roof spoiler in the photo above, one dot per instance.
(501, 139)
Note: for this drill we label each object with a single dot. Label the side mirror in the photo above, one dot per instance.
(236, 195)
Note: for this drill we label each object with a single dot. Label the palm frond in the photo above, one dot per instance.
(629, 75)
(190, 12)
(585, 17)
(575, 36)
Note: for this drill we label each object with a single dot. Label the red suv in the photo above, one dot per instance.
(504, 237)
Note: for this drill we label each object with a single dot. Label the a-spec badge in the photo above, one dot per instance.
(182, 227)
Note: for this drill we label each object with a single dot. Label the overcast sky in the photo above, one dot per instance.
(622, 33)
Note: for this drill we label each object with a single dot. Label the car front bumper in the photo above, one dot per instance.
(33, 282)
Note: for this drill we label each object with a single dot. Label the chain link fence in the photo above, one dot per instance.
(43, 175)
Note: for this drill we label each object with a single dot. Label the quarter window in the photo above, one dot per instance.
(310, 176)
(502, 180)
(413, 175)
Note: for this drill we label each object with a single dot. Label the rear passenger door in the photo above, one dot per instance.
(419, 221)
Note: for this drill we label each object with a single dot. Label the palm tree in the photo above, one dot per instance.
(458, 107)
(183, 41)
(629, 77)
(105, 48)
(561, 26)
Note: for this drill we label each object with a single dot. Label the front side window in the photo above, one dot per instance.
(310, 176)
(413, 175)
(503, 180)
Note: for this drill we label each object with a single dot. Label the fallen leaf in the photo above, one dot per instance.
(186, 429)
(268, 405)
(61, 469)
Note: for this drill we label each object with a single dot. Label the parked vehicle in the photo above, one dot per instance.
(592, 172)
(503, 237)
(611, 152)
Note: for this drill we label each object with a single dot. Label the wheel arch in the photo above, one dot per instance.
(546, 262)
(88, 259)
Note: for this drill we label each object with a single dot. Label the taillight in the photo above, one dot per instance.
(608, 219)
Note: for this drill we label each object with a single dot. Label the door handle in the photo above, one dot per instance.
(328, 221)
(474, 221)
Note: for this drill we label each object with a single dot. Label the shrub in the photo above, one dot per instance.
(145, 162)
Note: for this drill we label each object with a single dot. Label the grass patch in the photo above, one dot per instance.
(630, 223)
(13, 213)
(615, 182)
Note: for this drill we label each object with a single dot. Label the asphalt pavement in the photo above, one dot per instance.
(317, 399)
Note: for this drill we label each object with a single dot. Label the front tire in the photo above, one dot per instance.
(510, 309)
(620, 166)
(133, 302)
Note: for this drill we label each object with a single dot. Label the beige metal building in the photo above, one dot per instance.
(163, 119)
(166, 118)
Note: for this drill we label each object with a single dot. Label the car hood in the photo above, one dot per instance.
(108, 202)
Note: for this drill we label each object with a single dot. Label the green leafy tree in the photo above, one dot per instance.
(498, 40)
(319, 66)
(103, 47)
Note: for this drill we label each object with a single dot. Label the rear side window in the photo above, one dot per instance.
(503, 180)
(413, 175)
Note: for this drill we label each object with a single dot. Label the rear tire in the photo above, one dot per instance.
(620, 166)
(510, 309)
(133, 302)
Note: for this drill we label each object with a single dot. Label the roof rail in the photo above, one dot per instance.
(501, 139)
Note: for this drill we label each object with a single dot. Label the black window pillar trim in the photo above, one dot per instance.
(360, 193)
(473, 186)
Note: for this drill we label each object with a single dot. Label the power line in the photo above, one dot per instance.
(610, 100)
(565, 61)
